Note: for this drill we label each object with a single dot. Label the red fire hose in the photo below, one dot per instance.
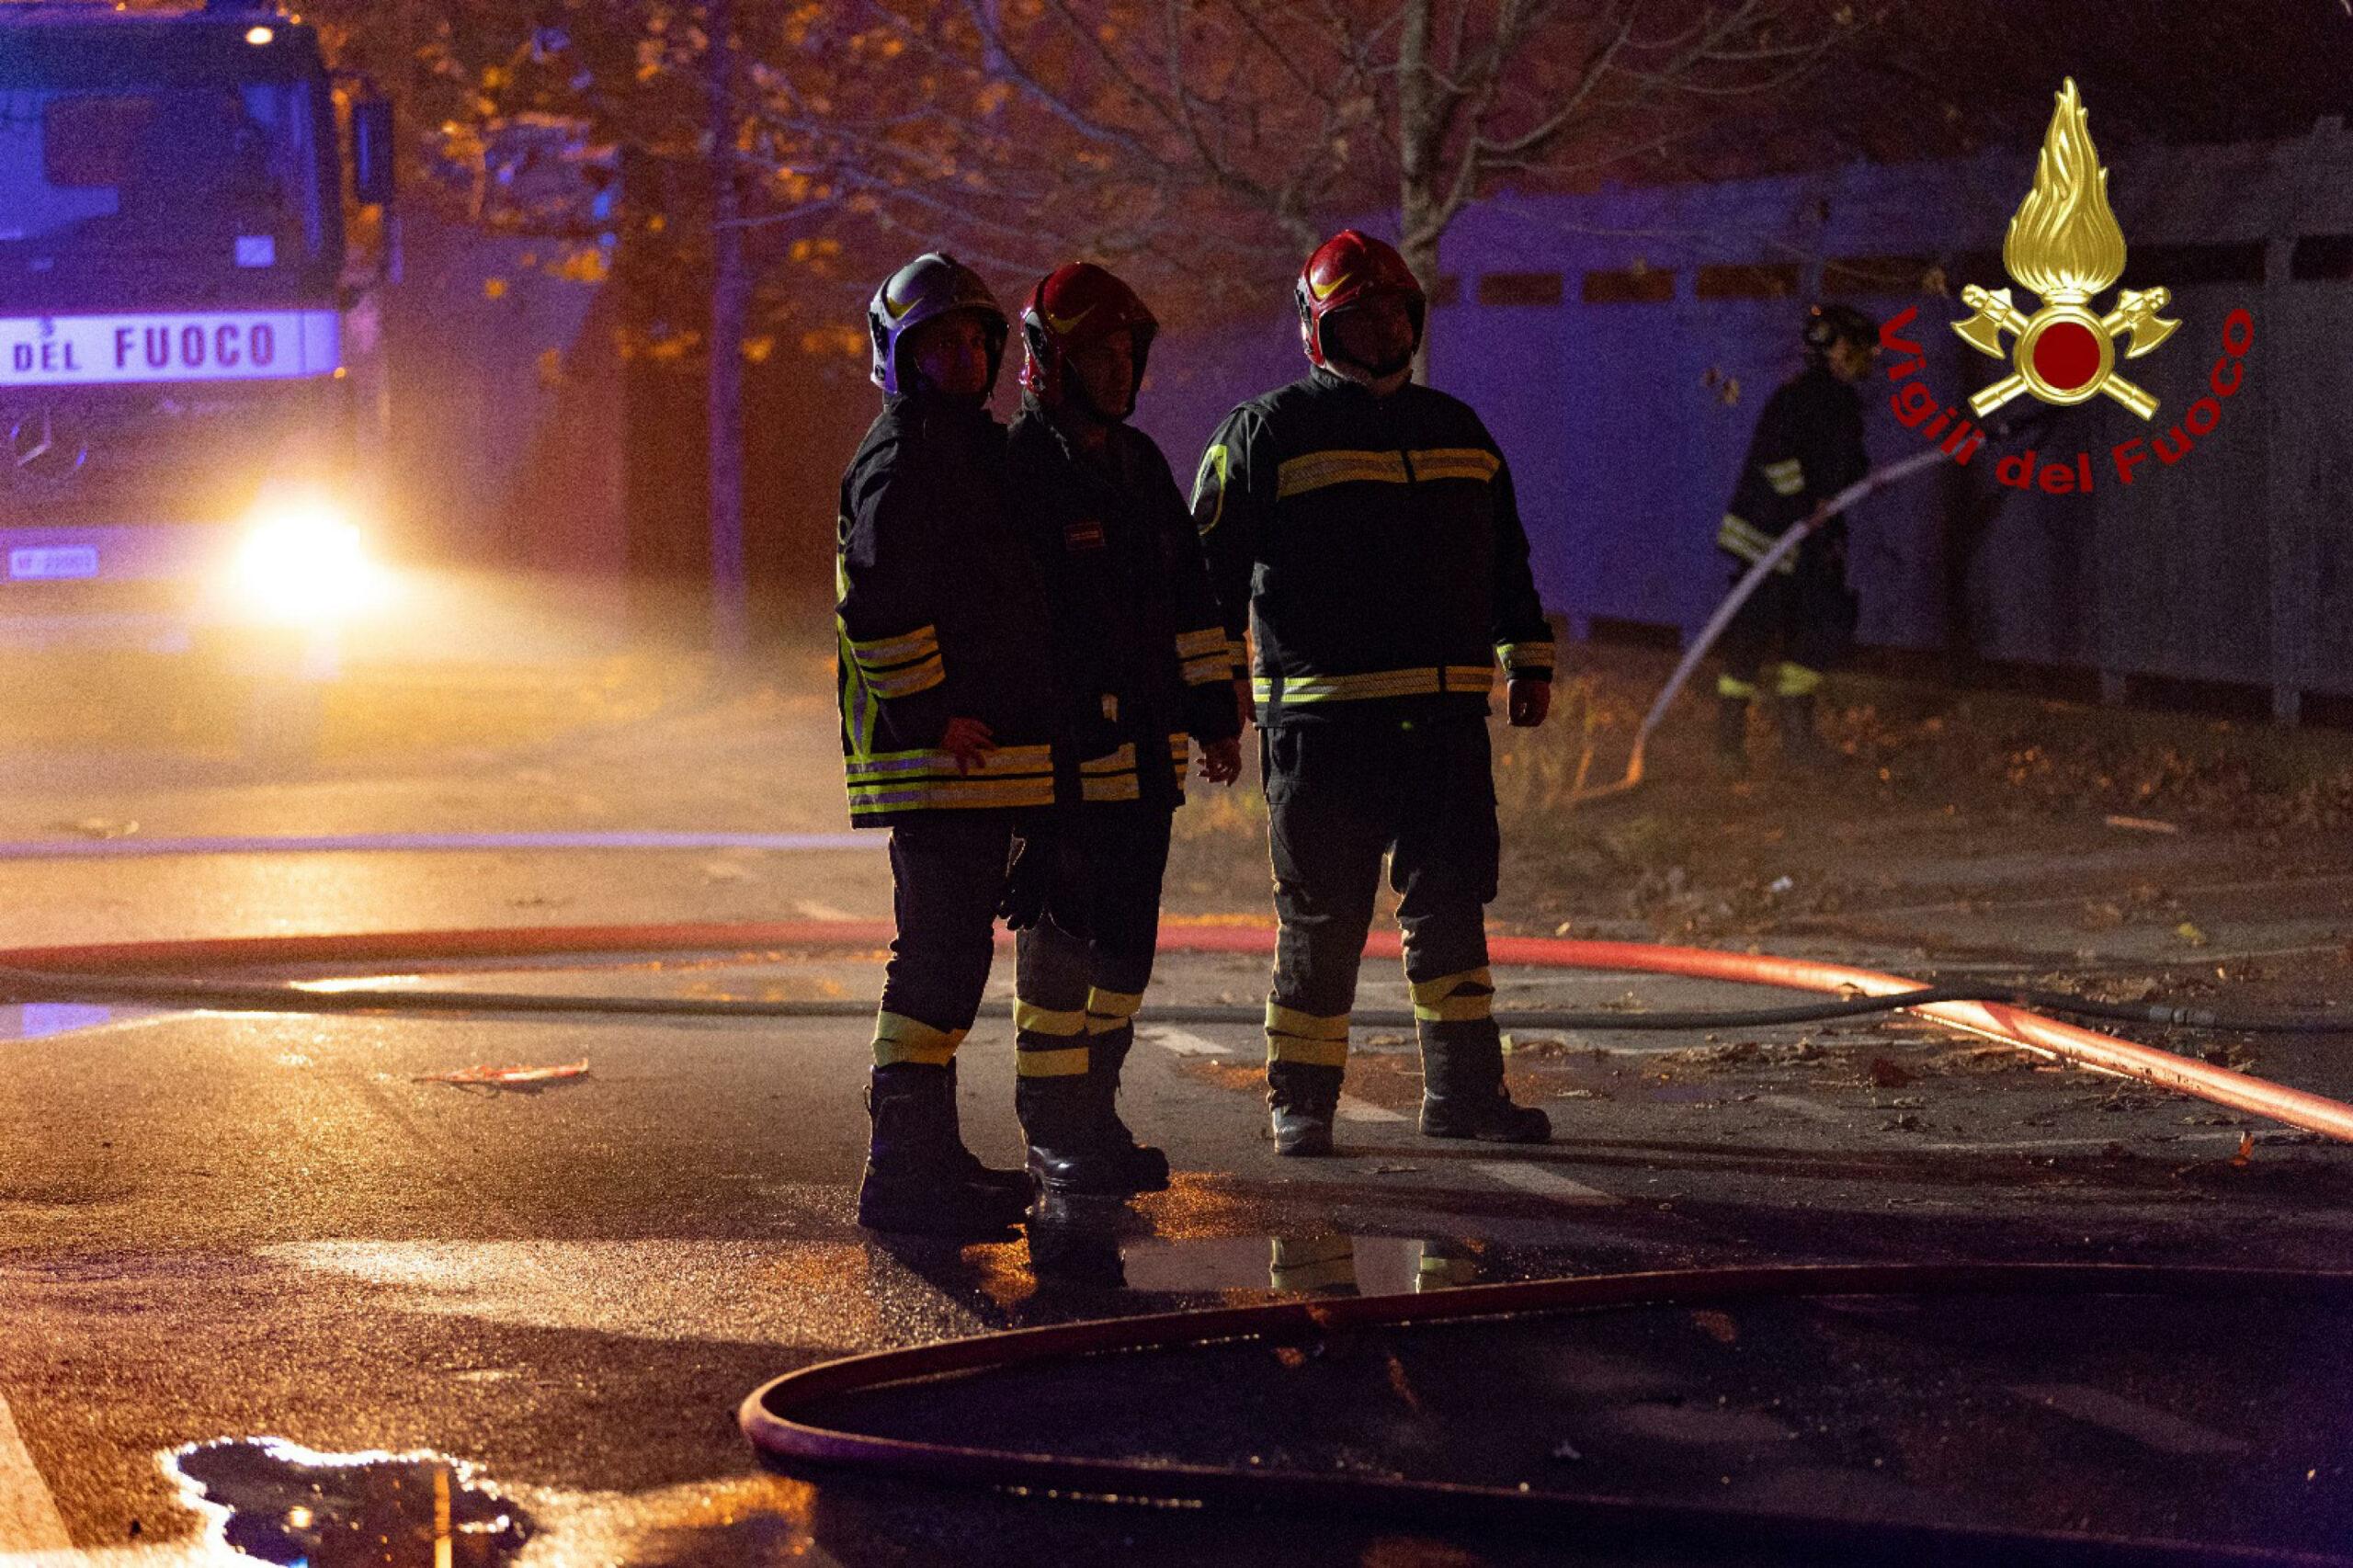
(783, 1419)
(2010, 1025)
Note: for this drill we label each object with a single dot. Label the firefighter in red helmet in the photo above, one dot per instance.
(1143, 669)
(1362, 529)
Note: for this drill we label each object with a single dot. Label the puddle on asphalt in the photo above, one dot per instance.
(284, 1504)
(1319, 1265)
(38, 1020)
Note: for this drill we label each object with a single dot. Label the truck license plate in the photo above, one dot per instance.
(53, 562)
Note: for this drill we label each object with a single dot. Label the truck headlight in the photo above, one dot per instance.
(302, 559)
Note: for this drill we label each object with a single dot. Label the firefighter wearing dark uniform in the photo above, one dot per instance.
(1362, 530)
(1141, 664)
(947, 712)
(1807, 447)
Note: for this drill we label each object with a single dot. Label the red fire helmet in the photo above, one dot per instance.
(1072, 306)
(1347, 269)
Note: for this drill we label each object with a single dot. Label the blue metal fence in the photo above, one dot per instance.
(1617, 413)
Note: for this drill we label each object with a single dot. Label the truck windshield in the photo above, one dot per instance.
(209, 179)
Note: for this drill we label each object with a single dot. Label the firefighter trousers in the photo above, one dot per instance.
(948, 873)
(1808, 615)
(1340, 794)
(1081, 971)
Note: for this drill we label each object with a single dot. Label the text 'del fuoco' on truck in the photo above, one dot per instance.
(189, 393)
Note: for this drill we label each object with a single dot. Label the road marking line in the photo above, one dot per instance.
(29, 1517)
(1184, 1042)
(52, 1020)
(415, 843)
(1355, 1110)
(1543, 1182)
(2144, 1424)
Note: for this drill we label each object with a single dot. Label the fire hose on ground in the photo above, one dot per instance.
(138, 973)
(781, 1417)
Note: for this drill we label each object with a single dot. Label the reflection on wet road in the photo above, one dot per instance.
(287, 1505)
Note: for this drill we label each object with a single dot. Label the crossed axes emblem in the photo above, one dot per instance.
(2135, 316)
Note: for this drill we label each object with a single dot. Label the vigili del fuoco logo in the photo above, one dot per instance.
(2066, 247)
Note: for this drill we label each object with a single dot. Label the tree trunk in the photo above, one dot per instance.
(1416, 199)
(730, 299)
(1423, 259)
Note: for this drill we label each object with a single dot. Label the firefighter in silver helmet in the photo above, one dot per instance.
(948, 717)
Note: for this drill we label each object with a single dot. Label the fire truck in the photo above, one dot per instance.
(195, 221)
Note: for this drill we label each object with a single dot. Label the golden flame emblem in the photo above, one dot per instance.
(2065, 245)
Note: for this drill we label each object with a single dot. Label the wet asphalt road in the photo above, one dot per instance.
(223, 1227)
(227, 1227)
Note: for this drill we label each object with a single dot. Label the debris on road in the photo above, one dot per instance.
(507, 1077)
(1887, 1073)
(97, 827)
(2144, 825)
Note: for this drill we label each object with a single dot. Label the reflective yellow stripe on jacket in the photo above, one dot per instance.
(1315, 471)
(1744, 539)
(1427, 681)
(895, 781)
(897, 667)
(1205, 655)
(1520, 658)
(1454, 463)
(1113, 776)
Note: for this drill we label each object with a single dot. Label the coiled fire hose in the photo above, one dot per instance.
(792, 1419)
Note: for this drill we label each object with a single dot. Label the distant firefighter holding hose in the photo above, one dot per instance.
(1808, 447)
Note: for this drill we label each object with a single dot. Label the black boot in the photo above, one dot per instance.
(1464, 1094)
(1303, 1099)
(1014, 1183)
(1071, 1151)
(1801, 747)
(1732, 737)
(917, 1181)
(1147, 1167)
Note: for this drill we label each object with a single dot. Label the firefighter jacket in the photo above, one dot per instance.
(1808, 447)
(939, 614)
(1140, 650)
(1373, 549)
